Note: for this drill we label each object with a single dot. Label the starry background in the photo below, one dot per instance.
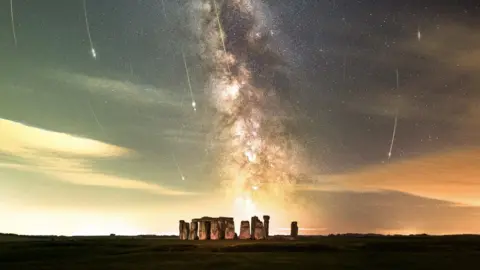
(133, 103)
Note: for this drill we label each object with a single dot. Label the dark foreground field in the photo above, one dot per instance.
(336, 252)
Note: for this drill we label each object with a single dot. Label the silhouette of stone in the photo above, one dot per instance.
(230, 230)
(180, 229)
(245, 230)
(266, 225)
(210, 228)
(213, 228)
(186, 231)
(294, 229)
(253, 222)
(259, 231)
(193, 231)
(227, 223)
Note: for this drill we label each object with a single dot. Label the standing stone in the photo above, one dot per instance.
(208, 228)
(186, 231)
(230, 230)
(259, 231)
(193, 230)
(253, 222)
(294, 229)
(215, 229)
(266, 225)
(245, 230)
(202, 230)
(222, 226)
(180, 228)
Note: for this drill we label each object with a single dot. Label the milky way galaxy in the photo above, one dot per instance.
(258, 159)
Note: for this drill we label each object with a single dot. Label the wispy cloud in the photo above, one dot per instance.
(67, 158)
(21, 140)
(118, 89)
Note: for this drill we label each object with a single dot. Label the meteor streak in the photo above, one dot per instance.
(178, 167)
(220, 28)
(164, 11)
(194, 104)
(87, 25)
(96, 118)
(395, 123)
(13, 23)
(393, 135)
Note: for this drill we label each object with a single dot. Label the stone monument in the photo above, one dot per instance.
(218, 228)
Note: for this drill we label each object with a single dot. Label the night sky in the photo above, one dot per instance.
(100, 145)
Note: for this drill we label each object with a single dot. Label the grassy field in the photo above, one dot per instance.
(333, 252)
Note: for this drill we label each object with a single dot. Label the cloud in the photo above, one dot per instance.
(20, 139)
(104, 106)
(185, 135)
(450, 176)
(438, 79)
(119, 89)
(66, 158)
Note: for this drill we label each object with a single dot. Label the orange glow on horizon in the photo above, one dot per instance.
(450, 176)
